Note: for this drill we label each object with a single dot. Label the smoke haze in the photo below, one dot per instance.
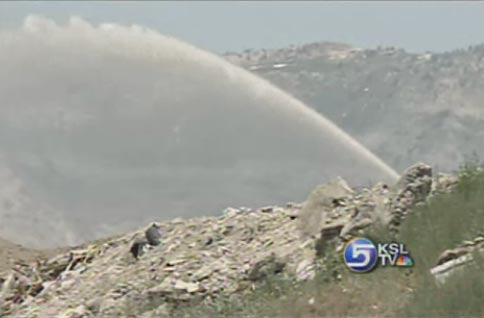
(103, 128)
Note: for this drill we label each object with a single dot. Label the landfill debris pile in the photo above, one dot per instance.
(173, 262)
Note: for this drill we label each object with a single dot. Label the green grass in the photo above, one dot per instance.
(443, 224)
(460, 296)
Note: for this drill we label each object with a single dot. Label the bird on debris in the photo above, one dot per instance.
(152, 237)
(153, 234)
(137, 248)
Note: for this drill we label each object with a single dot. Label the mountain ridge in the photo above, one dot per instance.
(405, 107)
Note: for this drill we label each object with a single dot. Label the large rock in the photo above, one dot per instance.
(320, 202)
(416, 178)
(412, 188)
(452, 260)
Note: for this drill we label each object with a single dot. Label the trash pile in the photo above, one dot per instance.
(173, 262)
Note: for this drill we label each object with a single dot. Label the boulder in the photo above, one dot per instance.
(457, 258)
(153, 234)
(412, 188)
(442, 271)
(319, 203)
(138, 247)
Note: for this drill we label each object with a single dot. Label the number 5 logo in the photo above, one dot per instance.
(360, 255)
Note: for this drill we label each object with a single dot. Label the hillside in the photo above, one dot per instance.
(405, 107)
(199, 261)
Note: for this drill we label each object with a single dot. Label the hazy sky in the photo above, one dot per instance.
(224, 26)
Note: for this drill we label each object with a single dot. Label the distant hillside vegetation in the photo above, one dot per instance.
(405, 107)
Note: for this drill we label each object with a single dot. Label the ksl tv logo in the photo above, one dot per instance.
(361, 255)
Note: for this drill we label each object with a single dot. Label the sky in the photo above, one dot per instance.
(220, 26)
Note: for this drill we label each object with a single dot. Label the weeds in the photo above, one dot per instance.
(442, 224)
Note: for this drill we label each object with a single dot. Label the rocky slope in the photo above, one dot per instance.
(11, 253)
(405, 107)
(202, 258)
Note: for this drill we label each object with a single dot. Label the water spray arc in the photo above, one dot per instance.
(113, 126)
